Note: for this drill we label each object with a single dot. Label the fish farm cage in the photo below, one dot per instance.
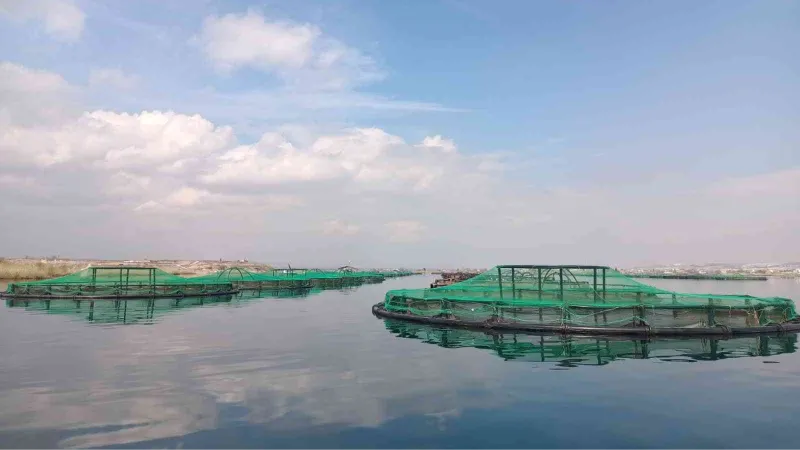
(333, 279)
(360, 276)
(242, 278)
(584, 300)
(293, 278)
(113, 282)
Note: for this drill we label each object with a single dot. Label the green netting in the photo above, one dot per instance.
(292, 278)
(361, 275)
(583, 296)
(338, 278)
(119, 281)
(244, 279)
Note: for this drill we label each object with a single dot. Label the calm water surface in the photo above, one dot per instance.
(320, 371)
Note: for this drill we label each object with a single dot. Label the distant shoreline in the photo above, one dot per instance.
(29, 269)
(714, 277)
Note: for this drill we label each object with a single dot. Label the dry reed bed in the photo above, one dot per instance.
(35, 270)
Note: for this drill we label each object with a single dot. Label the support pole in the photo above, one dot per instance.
(604, 284)
(500, 281)
(711, 313)
(539, 278)
(561, 283)
(513, 285)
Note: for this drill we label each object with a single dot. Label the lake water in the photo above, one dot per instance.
(321, 371)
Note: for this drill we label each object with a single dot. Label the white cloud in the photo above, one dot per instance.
(30, 96)
(61, 18)
(338, 227)
(125, 184)
(95, 168)
(368, 157)
(114, 78)
(183, 197)
(17, 78)
(299, 53)
(240, 40)
(440, 143)
(193, 200)
(117, 140)
(405, 230)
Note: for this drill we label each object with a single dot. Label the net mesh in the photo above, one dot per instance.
(291, 278)
(118, 281)
(245, 279)
(583, 296)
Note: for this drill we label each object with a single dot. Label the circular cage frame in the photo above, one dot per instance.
(591, 290)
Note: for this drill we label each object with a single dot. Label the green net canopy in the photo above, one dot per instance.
(117, 282)
(292, 278)
(245, 279)
(580, 298)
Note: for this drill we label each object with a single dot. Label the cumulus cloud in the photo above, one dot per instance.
(30, 96)
(196, 200)
(298, 53)
(21, 79)
(238, 40)
(180, 179)
(183, 197)
(117, 140)
(62, 19)
(439, 143)
(367, 157)
(114, 78)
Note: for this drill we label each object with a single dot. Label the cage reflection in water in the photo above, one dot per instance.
(573, 350)
(144, 311)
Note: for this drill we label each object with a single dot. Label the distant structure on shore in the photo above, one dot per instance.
(717, 276)
(718, 271)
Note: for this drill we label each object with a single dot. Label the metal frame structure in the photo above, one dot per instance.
(584, 299)
(93, 287)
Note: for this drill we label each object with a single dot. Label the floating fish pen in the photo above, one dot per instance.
(276, 293)
(572, 351)
(116, 282)
(334, 279)
(324, 279)
(585, 299)
(361, 276)
(244, 279)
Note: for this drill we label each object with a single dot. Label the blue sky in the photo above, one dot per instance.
(644, 105)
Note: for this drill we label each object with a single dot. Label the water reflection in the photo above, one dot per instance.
(146, 311)
(573, 351)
